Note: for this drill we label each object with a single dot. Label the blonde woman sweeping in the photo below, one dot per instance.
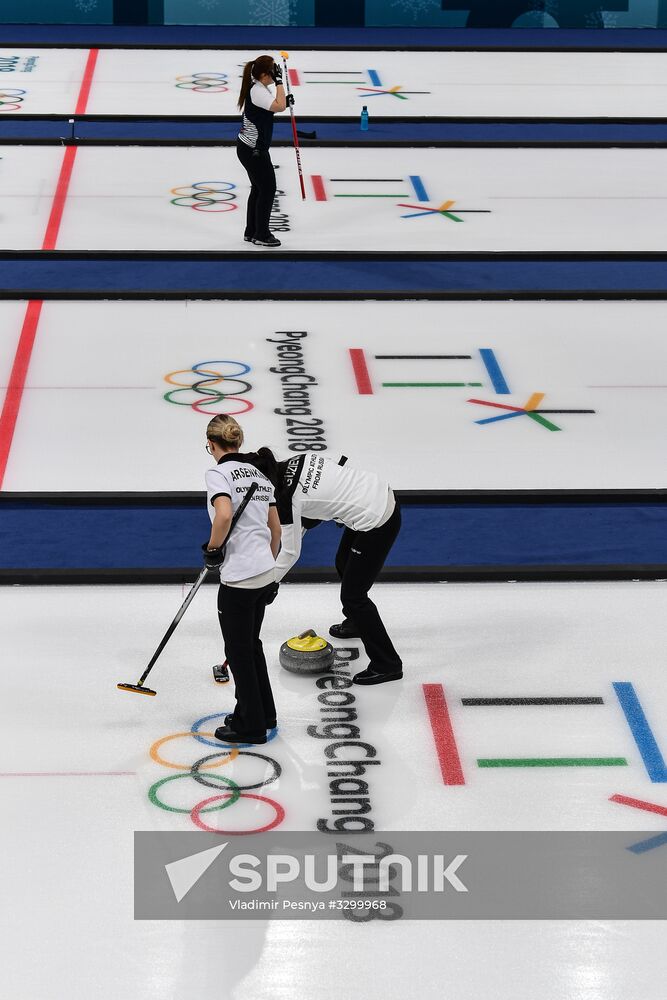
(247, 575)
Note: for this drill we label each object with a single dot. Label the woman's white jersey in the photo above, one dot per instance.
(248, 551)
(314, 488)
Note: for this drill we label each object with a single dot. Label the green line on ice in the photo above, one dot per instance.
(431, 385)
(552, 762)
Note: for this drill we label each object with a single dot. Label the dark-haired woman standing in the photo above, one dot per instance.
(259, 104)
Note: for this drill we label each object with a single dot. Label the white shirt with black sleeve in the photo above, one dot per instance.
(248, 553)
(316, 488)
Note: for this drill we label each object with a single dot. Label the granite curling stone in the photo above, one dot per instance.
(307, 653)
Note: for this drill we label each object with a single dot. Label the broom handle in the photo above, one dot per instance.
(195, 587)
(172, 628)
(294, 132)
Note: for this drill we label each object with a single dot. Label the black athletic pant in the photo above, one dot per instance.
(262, 176)
(360, 557)
(241, 613)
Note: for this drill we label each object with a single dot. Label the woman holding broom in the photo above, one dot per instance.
(262, 95)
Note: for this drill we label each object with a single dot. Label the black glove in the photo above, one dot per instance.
(277, 74)
(289, 100)
(213, 557)
(272, 593)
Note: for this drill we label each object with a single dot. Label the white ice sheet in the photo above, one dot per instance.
(32, 178)
(40, 81)
(99, 370)
(449, 200)
(67, 838)
(338, 83)
(12, 321)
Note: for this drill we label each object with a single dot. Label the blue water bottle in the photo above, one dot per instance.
(363, 124)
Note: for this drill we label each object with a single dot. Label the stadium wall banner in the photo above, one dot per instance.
(578, 14)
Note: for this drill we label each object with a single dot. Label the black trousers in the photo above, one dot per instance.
(241, 613)
(360, 557)
(262, 189)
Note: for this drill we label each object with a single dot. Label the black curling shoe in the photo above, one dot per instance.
(270, 241)
(369, 676)
(228, 735)
(346, 630)
(269, 725)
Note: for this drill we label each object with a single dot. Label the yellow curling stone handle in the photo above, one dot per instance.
(307, 642)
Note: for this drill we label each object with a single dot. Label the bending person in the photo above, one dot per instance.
(311, 488)
(259, 104)
(247, 576)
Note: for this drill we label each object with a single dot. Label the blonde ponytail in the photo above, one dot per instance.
(226, 432)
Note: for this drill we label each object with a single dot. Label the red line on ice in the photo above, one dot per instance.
(14, 393)
(498, 406)
(61, 774)
(443, 734)
(62, 187)
(651, 807)
(88, 73)
(17, 378)
(361, 373)
(318, 187)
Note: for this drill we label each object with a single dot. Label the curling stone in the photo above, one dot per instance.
(307, 653)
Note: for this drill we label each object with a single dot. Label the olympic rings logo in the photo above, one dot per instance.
(204, 379)
(206, 196)
(11, 99)
(204, 83)
(229, 789)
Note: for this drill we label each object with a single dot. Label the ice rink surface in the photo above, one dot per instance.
(440, 200)
(83, 765)
(338, 83)
(491, 395)
(77, 772)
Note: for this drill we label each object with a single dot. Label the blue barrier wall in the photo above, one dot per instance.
(437, 540)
